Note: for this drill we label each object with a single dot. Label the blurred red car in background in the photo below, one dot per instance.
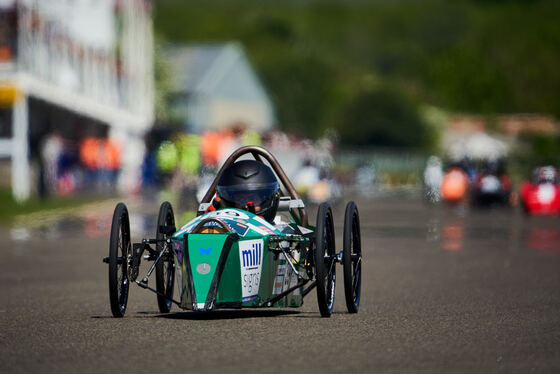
(542, 194)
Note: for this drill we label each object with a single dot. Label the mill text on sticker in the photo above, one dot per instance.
(250, 258)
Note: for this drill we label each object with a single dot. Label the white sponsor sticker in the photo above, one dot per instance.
(227, 213)
(265, 223)
(287, 277)
(304, 230)
(546, 193)
(250, 259)
(259, 230)
(281, 270)
(279, 279)
(294, 282)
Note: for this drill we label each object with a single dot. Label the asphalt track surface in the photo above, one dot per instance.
(445, 289)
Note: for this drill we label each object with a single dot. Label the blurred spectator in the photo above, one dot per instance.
(51, 149)
(59, 165)
(149, 170)
(230, 140)
(545, 174)
(306, 178)
(167, 157)
(433, 176)
(110, 161)
(469, 168)
(323, 155)
(188, 147)
(189, 161)
(129, 173)
(210, 146)
(250, 137)
(66, 178)
(454, 185)
(101, 158)
(89, 156)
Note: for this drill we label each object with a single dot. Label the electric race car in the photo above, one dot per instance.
(250, 246)
(542, 194)
(492, 186)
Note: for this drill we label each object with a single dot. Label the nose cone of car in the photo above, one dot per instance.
(204, 253)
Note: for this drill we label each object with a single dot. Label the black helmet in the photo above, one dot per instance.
(252, 186)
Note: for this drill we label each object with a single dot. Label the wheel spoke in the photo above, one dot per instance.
(124, 247)
(330, 261)
(355, 281)
(169, 279)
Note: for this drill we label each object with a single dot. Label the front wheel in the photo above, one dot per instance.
(165, 268)
(120, 254)
(352, 258)
(324, 259)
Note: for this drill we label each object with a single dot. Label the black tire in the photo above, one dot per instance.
(352, 258)
(324, 260)
(120, 253)
(165, 268)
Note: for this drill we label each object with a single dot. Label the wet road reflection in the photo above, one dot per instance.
(546, 241)
(457, 228)
(93, 221)
(441, 284)
(450, 228)
(453, 235)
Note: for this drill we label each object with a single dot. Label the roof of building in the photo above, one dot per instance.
(210, 68)
(192, 62)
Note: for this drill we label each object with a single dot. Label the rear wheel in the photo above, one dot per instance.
(324, 259)
(352, 258)
(165, 268)
(120, 253)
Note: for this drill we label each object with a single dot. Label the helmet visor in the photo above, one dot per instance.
(255, 193)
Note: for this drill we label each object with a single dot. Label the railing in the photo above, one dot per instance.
(117, 75)
(58, 60)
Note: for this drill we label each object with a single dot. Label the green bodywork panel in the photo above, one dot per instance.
(242, 271)
(204, 253)
(229, 289)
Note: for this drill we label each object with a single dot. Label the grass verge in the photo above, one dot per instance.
(9, 208)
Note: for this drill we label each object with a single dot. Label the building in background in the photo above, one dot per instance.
(79, 68)
(215, 87)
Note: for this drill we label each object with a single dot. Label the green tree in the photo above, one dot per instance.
(301, 90)
(472, 56)
(383, 117)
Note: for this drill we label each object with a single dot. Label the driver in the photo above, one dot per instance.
(546, 174)
(252, 186)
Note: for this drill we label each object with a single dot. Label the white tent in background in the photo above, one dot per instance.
(478, 146)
